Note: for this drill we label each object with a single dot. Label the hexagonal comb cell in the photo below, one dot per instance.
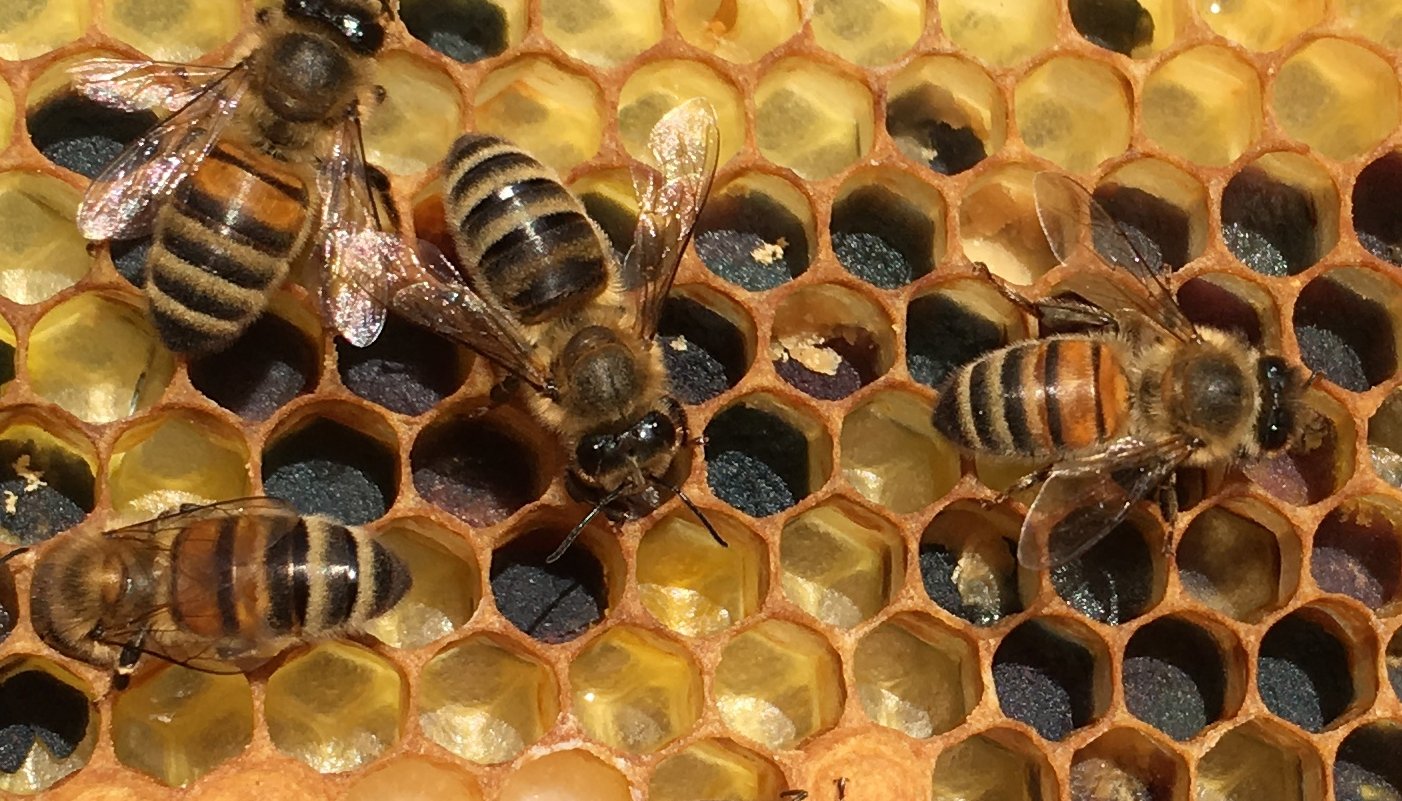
(1366, 766)
(778, 684)
(968, 561)
(1356, 551)
(1127, 27)
(1264, 24)
(406, 370)
(604, 34)
(445, 590)
(736, 30)
(1385, 440)
(1375, 217)
(171, 30)
(76, 133)
(336, 707)
(1203, 104)
(41, 251)
(1162, 209)
(553, 601)
(1317, 465)
(1177, 678)
(333, 460)
(1260, 760)
(840, 563)
(1240, 558)
(916, 675)
(47, 480)
(1344, 325)
(1050, 674)
(479, 467)
(887, 227)
(1280, 214)
(999, 225)
(413, 778)
(829, 341)
(566, 774)
(174, 458)
(1338, 97)
(714, 769)
(551, 112)
(420, 118)
(660, 86)
(1229, 303)
(693, 587)
(33, 28)
(998, 765)
(465, 30)
(1001, 34)
(48, 725)
(176, 724)
(1127, 765)
(707, 342)
(1303, 667)
(763, 455)
(485, 700)
(1118, 578)
(274, 361)
(946, 113)
(1379, 21)
(634, 690)
(756, 231)
(1075, 112)
(955, 324)
(891, 455)
(812, 119)
(868, 33)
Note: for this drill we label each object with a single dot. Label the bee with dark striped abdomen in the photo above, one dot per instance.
(257, 163)
(541, 294)
(1117, 409)
(219, 587)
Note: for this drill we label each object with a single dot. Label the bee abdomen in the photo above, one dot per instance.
(322, 576)
(527, 236)
(1036, 399)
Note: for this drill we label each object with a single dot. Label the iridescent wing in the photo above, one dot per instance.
(436, 295)
(1078, 227)
(138, 85)
(122, 201)
(684, 145)
(1084, 499)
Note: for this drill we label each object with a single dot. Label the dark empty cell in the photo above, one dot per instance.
(83, 135)
(1357, 556)
(1174, 678)
(1118, 25)
(43, 491)
(37, 707)
(923, 122)
(614, 219)
(1158, 229)
(937, 571)
(552, 602)
(1273, 228)
(272, 363)
(465, 30)
(1213, 306)
(756, 461)
(1305, 476)
(9, 600)
(1344, 336)
(882, 238)
(751, 240)
(941, 335)
(474, 470)
(1377, 219)
(1044, 680)
(129, 257)
(1366, 767)
(1303, 673)
(331, 469)
(1113, 581)
(406, 369)
(704, 352)
(7, 363)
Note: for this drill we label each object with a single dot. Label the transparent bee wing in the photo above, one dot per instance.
(434, 294)
(122, 201)
(1083, 500)
(256, 506)
(137, 85)
(1080, 230)
(684, 144)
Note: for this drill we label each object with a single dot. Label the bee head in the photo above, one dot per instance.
(85, 594)
(359, 23)
(611, 459)
(1278, 417)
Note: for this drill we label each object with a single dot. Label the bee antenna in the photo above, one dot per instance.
(1314, 378)
(579, 527)
(677, 491)
(12, 554)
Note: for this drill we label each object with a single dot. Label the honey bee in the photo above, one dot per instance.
(220, 587)
(258, 162)
(1117, 409)
(543, 296)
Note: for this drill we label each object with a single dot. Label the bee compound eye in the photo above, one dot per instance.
(593, 453)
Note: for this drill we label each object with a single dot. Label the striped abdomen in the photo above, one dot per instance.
(222, 246)
(245, 579)
(520, 231)
(1040, 398)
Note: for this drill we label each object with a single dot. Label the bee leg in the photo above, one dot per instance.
(1054, 313)
(505, 390)
(1030, 480)
(1168, 507)
(126, 662)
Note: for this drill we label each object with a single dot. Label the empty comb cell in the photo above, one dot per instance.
(1261, 759)
(604, 34)
(49, 722)
(31, 29)
(693, 587)
(778, 684)
(916, 676)
(174, 459)
(176, 724)
(718, 769)
(41, 253)
(171, 30)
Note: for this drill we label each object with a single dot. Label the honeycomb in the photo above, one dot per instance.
(868, 620)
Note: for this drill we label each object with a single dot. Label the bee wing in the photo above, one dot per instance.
(258, 506)
(357, 255)
(1082, 500)
(434, 294)
(685, 144)
(1069, 214)
(137, 85)
(121, 202)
